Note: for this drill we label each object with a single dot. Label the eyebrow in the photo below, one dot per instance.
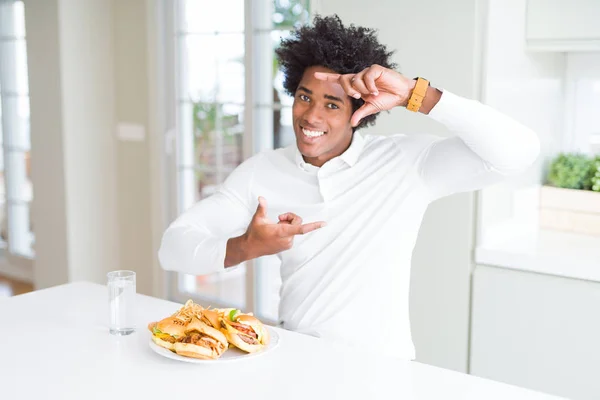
(327, 96)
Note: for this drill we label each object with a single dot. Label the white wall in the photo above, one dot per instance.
(88, 67)
(86, 54)
(73, 149)
(133, 183)
(582, 126)
(440, 41)
(49, 209)
(527, 86)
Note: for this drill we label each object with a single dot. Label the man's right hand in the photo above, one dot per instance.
(263, 237)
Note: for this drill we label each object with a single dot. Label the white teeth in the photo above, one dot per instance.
(312, 133)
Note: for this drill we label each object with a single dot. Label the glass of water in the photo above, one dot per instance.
(121, 302)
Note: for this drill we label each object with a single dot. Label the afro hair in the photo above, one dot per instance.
(330, 44)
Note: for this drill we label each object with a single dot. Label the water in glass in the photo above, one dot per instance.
(121, 300)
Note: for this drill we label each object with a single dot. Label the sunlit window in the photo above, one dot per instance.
(15, 185)
(214, 74)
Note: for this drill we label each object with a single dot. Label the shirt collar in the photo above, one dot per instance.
(350, 156)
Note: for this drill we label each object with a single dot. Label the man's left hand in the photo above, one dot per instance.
(381, 89)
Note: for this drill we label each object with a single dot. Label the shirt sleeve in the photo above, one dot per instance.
(196, 242)
(488, 146)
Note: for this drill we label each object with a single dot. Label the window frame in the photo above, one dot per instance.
(14, 264)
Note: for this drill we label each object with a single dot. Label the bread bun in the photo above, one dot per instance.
(195, 351)
(235, 339)
(172, 326)
(163, 343)
(247, 319)
(234, 336)
(212, 318)
(166, 331)
(261, 330)
(197, 325)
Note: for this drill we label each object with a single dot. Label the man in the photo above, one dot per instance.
(341, 210)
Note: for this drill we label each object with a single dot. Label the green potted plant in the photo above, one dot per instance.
(570, 197)
(595, 174)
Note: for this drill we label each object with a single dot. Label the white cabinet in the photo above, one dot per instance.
(536, 331)
(563, 25)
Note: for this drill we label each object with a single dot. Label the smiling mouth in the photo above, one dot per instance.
(312, 134)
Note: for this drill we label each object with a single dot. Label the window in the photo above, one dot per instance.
(230, 104)
(582, 131)
(16, 194)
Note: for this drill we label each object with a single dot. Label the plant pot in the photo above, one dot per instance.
(570, 210)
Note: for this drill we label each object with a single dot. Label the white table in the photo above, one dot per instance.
(55, 345)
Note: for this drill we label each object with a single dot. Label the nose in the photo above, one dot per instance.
(312, 116)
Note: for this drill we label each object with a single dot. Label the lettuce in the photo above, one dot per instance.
(233, 314)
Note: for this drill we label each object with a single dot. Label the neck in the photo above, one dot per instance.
(319, 161)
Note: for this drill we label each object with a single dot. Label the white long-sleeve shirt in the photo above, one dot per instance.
(355, 270)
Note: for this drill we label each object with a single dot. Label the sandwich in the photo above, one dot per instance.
(201, 341)
(244, 331)
(167, 331)
(190, 338)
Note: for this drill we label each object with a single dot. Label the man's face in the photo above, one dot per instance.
(321, 117)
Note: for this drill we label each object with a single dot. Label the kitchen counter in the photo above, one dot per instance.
(56, 345)
(526, 248)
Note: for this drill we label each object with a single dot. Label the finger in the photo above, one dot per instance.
(326, 76)
(290, 218)
(286, 218)
(369, 79)
(261, 210)
(366, 110)
(358, 84)
(345, 82)
(304, 229)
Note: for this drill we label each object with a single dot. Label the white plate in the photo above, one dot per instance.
(232, 354)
